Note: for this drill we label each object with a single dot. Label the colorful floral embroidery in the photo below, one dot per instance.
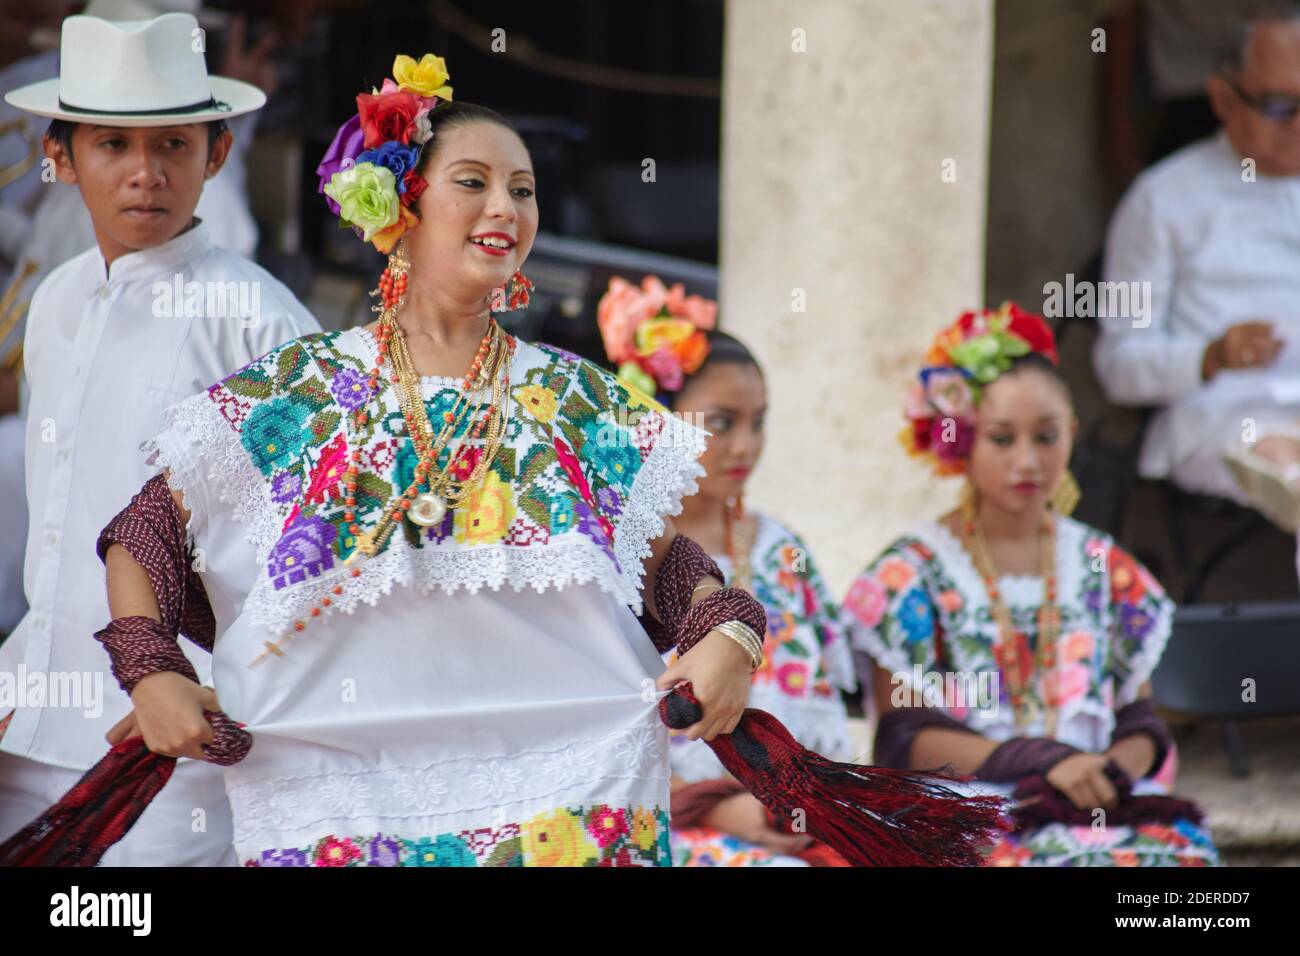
(567, 836)
(924, 605)
(1150, 844)
(916, 607)
(578, 444)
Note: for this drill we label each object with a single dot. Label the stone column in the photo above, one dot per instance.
(854, 170)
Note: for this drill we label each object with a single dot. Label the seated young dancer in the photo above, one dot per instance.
(114, 336)
(1049, 630)
(713, 380)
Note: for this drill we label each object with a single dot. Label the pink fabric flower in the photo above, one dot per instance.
(866, 600)
(666, 369)
(950, 393)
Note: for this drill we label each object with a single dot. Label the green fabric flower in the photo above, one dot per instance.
(367, 197)
(988, 356)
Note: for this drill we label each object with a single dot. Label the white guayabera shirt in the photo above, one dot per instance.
(1216, 251)
(106, 351)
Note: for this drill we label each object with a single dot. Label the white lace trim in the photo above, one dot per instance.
(460, 785)
(197, 423)
(667, 476)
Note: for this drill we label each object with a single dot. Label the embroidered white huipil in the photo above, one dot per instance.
(101, 367)
(482, 693)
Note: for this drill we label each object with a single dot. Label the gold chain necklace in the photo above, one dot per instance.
(491, 364)
(737, 551)
(1049, 624)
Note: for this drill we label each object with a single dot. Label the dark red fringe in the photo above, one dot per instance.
(870, 816)
(95, 813)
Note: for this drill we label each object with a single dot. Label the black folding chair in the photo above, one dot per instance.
(1232, 662)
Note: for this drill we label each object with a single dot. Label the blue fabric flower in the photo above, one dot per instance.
(613, 454)
(916, 617)
(275, 433)
(394, 156)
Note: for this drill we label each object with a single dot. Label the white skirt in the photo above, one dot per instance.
(497, 728)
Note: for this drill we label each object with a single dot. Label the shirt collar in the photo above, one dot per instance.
(161, 260)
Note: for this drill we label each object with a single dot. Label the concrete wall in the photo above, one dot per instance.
(833, 183)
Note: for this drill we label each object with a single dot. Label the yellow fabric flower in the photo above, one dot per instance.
(645, 828)
(426, 78)
(537, 401)
(662, 333)
(486, 512)
(556, 839)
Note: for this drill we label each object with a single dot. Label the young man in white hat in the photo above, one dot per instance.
(151, 315)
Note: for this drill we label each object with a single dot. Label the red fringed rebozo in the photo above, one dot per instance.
(871, 816)
(95, 813)
(107, 801)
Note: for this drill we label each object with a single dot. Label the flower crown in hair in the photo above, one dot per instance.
(968, 355)
(368, 173)
(654, 334)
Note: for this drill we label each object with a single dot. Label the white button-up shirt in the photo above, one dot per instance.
(106, 351)
(1216, 251)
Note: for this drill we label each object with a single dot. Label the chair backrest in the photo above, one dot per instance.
(1216, 648)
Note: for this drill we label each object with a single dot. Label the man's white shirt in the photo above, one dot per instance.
(102, 365)
(1217, 250)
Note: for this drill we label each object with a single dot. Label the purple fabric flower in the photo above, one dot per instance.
(1135, 622)
(589, 524)
(350, 389)
(349, 143)
(385, 852)
(396, 157)
(562, 353)
(608, 501)
(442, 530)
(285, 487)
(303, 549)
(288, 857)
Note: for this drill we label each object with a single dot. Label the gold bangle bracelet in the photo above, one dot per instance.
(744, 635)
(710, 585)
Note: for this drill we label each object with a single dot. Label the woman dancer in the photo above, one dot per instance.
(422, 540)
(1048, 628)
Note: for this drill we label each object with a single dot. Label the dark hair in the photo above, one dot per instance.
(1037, 362)
(448, 115)
(724, 349)
(61, 130)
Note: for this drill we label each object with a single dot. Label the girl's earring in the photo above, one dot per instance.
(967, 500)
(513, 295)
(1065, 496)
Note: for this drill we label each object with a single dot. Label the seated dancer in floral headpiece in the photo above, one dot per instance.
(1052, 628)
(433, 553)
(665, 342)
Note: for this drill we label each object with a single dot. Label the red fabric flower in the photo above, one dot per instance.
(921, 433)
(415, 185)
(1126, 584)
(387, 116)
(1035, 331)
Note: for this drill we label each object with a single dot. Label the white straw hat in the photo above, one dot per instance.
(135, 73)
